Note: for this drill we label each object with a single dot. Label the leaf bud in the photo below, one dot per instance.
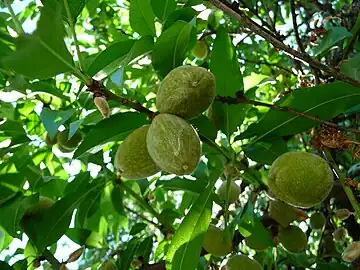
(102, 106)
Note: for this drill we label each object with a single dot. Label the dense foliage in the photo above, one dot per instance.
(72, 90)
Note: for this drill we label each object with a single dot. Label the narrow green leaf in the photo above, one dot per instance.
(117, 195)
(324, 101)
(229, 80)
(5, 266)
(185, 247)
(11, 128)
(138, 227)
(75, 6)
(42, 54)
(185, 14)
(142, 17)
(351, 67)
(41, 87)
(204, 127)
(116, 127)
(145, 249)
(163, 8)
(266, 151)
(52, 120)
(5, 239)
(128, 255)
(179, 183)
(331, 37)
(171, 47)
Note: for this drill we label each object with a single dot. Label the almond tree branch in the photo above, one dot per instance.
(232, 100)
(259, 30)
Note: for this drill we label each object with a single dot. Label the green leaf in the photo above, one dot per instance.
(229, 80)
(55, 221)
(332, 266)
(120, 54)
(138, 227)
(324, 101)
(52, 120)
(184, 14)
(5, 266)
(75, 7)
(13, 210)
(179, 183)
(351, 66)
(163, 8)
(11, 128)
(142, 17)
(204, 127)
(41, 87)
(85, 237)
(171, 47)
(42, 54)
(266, 151)
(128, 255)
(117, 195)
(331, 37)
(185, 247)
(116, 127)
(5, 239)
(190, 3)
(145, 249)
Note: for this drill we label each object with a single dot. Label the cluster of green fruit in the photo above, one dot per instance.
(63, 142)
(215, 243)
(169, 143)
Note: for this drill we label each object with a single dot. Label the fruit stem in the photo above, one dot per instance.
(142, 202)
(346, 188)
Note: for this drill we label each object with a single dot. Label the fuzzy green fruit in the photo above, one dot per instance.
(173, 144)
(186, 91)
(283, 213)
(132, 157)
(255, 243)
(43, 204)
(68, 144)
(200, 50)
(242, 262)
(317, 221)
(234, 192)
(300, 179)
(214, 242)
(293, 239)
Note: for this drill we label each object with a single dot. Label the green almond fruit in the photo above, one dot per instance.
(173, 144)
(300, 179)
(200, 50)
(186, 91)
(66, 143)
(283, 213)
(214, 242)
(234, 192)
(293, 239)
(317, 221)
(43, 204)
(132, 157)
(242, 262)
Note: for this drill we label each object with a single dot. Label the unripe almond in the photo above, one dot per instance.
(343, 214)
(352, 252)
(340, 234)
(102, 106)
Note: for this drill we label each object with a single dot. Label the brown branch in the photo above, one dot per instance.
(98, 89)
(232, 100)
(259, 30)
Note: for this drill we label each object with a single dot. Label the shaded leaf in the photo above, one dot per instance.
(145, 249)
(185, 14)
(42, 54)
(116, 127)
(52, 120)
(117, 195)
(204, 127)
(142, 17)
(266, 151)
(163, 8)
(185, 247)
(331, 37)
(171, 47)
(324, 101)
(128, 255)
(351, 68)
(41, 87)
(138, 227)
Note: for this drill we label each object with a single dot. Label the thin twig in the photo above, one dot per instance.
(142, 217)
(346, 188)
(232, 100)
(268, 64)
(18, 26)
(72, 27)
(259, 30)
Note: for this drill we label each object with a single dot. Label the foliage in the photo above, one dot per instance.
(286, 80)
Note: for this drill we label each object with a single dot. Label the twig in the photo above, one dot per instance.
(18, 26)
(298, 39)
(268, 64)
(256, 14)
(142, 217)
(346, 188)
(98, 89)
(259, 30)
(51, 259)
(232, 100)
(72, 27)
